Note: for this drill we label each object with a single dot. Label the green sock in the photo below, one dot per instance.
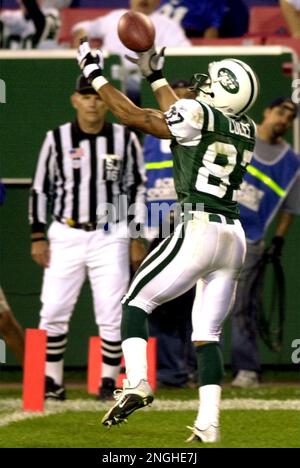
(134, 323)
(210, 364)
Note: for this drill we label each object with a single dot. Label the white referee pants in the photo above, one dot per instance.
(74, 254)
(208, 253)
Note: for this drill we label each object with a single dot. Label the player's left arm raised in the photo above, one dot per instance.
(147, 120)
(151, 64)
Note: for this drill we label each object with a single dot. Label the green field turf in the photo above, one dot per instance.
(247, 428)
(62, 426)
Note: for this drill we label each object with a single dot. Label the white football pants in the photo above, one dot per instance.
(208, 253)
(75, 253)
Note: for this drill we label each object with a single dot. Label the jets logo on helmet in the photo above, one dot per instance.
(228, 80)
(230, 86)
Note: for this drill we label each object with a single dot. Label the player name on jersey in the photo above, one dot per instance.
(240, 128)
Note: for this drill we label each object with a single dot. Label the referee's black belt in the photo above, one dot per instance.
(90, 226)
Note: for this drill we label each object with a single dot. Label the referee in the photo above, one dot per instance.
(87, 171)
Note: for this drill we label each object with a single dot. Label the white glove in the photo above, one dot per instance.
(90, 62)
(149, 62)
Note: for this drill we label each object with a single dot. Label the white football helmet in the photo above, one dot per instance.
(230, 86)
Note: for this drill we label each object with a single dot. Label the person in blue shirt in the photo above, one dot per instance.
(10, 330)
(271, 186)
(171, 322)
(235, 22)
(197, 18)
(209, 18)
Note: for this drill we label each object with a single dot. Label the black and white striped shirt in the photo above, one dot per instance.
(78, 172)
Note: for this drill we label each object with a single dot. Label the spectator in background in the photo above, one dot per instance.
(235, 21)
(170, 323)
(29, 27)
(271, 186)
(291, 12)
(208, 18)
(198, 19)
(10, 330)
(168, 33)
(59, 4)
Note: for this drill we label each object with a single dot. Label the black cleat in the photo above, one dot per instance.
(53, 391)
(128, 401)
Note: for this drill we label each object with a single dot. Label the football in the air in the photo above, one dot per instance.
(136, 31)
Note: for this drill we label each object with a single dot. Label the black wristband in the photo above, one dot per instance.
(156, 75)
(37, 239)
(94, 74)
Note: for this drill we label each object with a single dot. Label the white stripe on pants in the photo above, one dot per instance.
(211, 252)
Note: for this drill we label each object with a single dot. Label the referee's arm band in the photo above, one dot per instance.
(38, 227)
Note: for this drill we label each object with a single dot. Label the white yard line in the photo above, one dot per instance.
(19, 415)
(158, 405)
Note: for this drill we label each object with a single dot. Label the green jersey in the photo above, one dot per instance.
(211, 152)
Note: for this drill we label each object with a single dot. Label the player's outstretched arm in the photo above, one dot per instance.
(147, 120)
(151, 64)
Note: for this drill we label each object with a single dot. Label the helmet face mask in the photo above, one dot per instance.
(230, 86)
(201, 85)
(199, 80)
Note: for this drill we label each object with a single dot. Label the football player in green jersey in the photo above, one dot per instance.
(212, 143)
